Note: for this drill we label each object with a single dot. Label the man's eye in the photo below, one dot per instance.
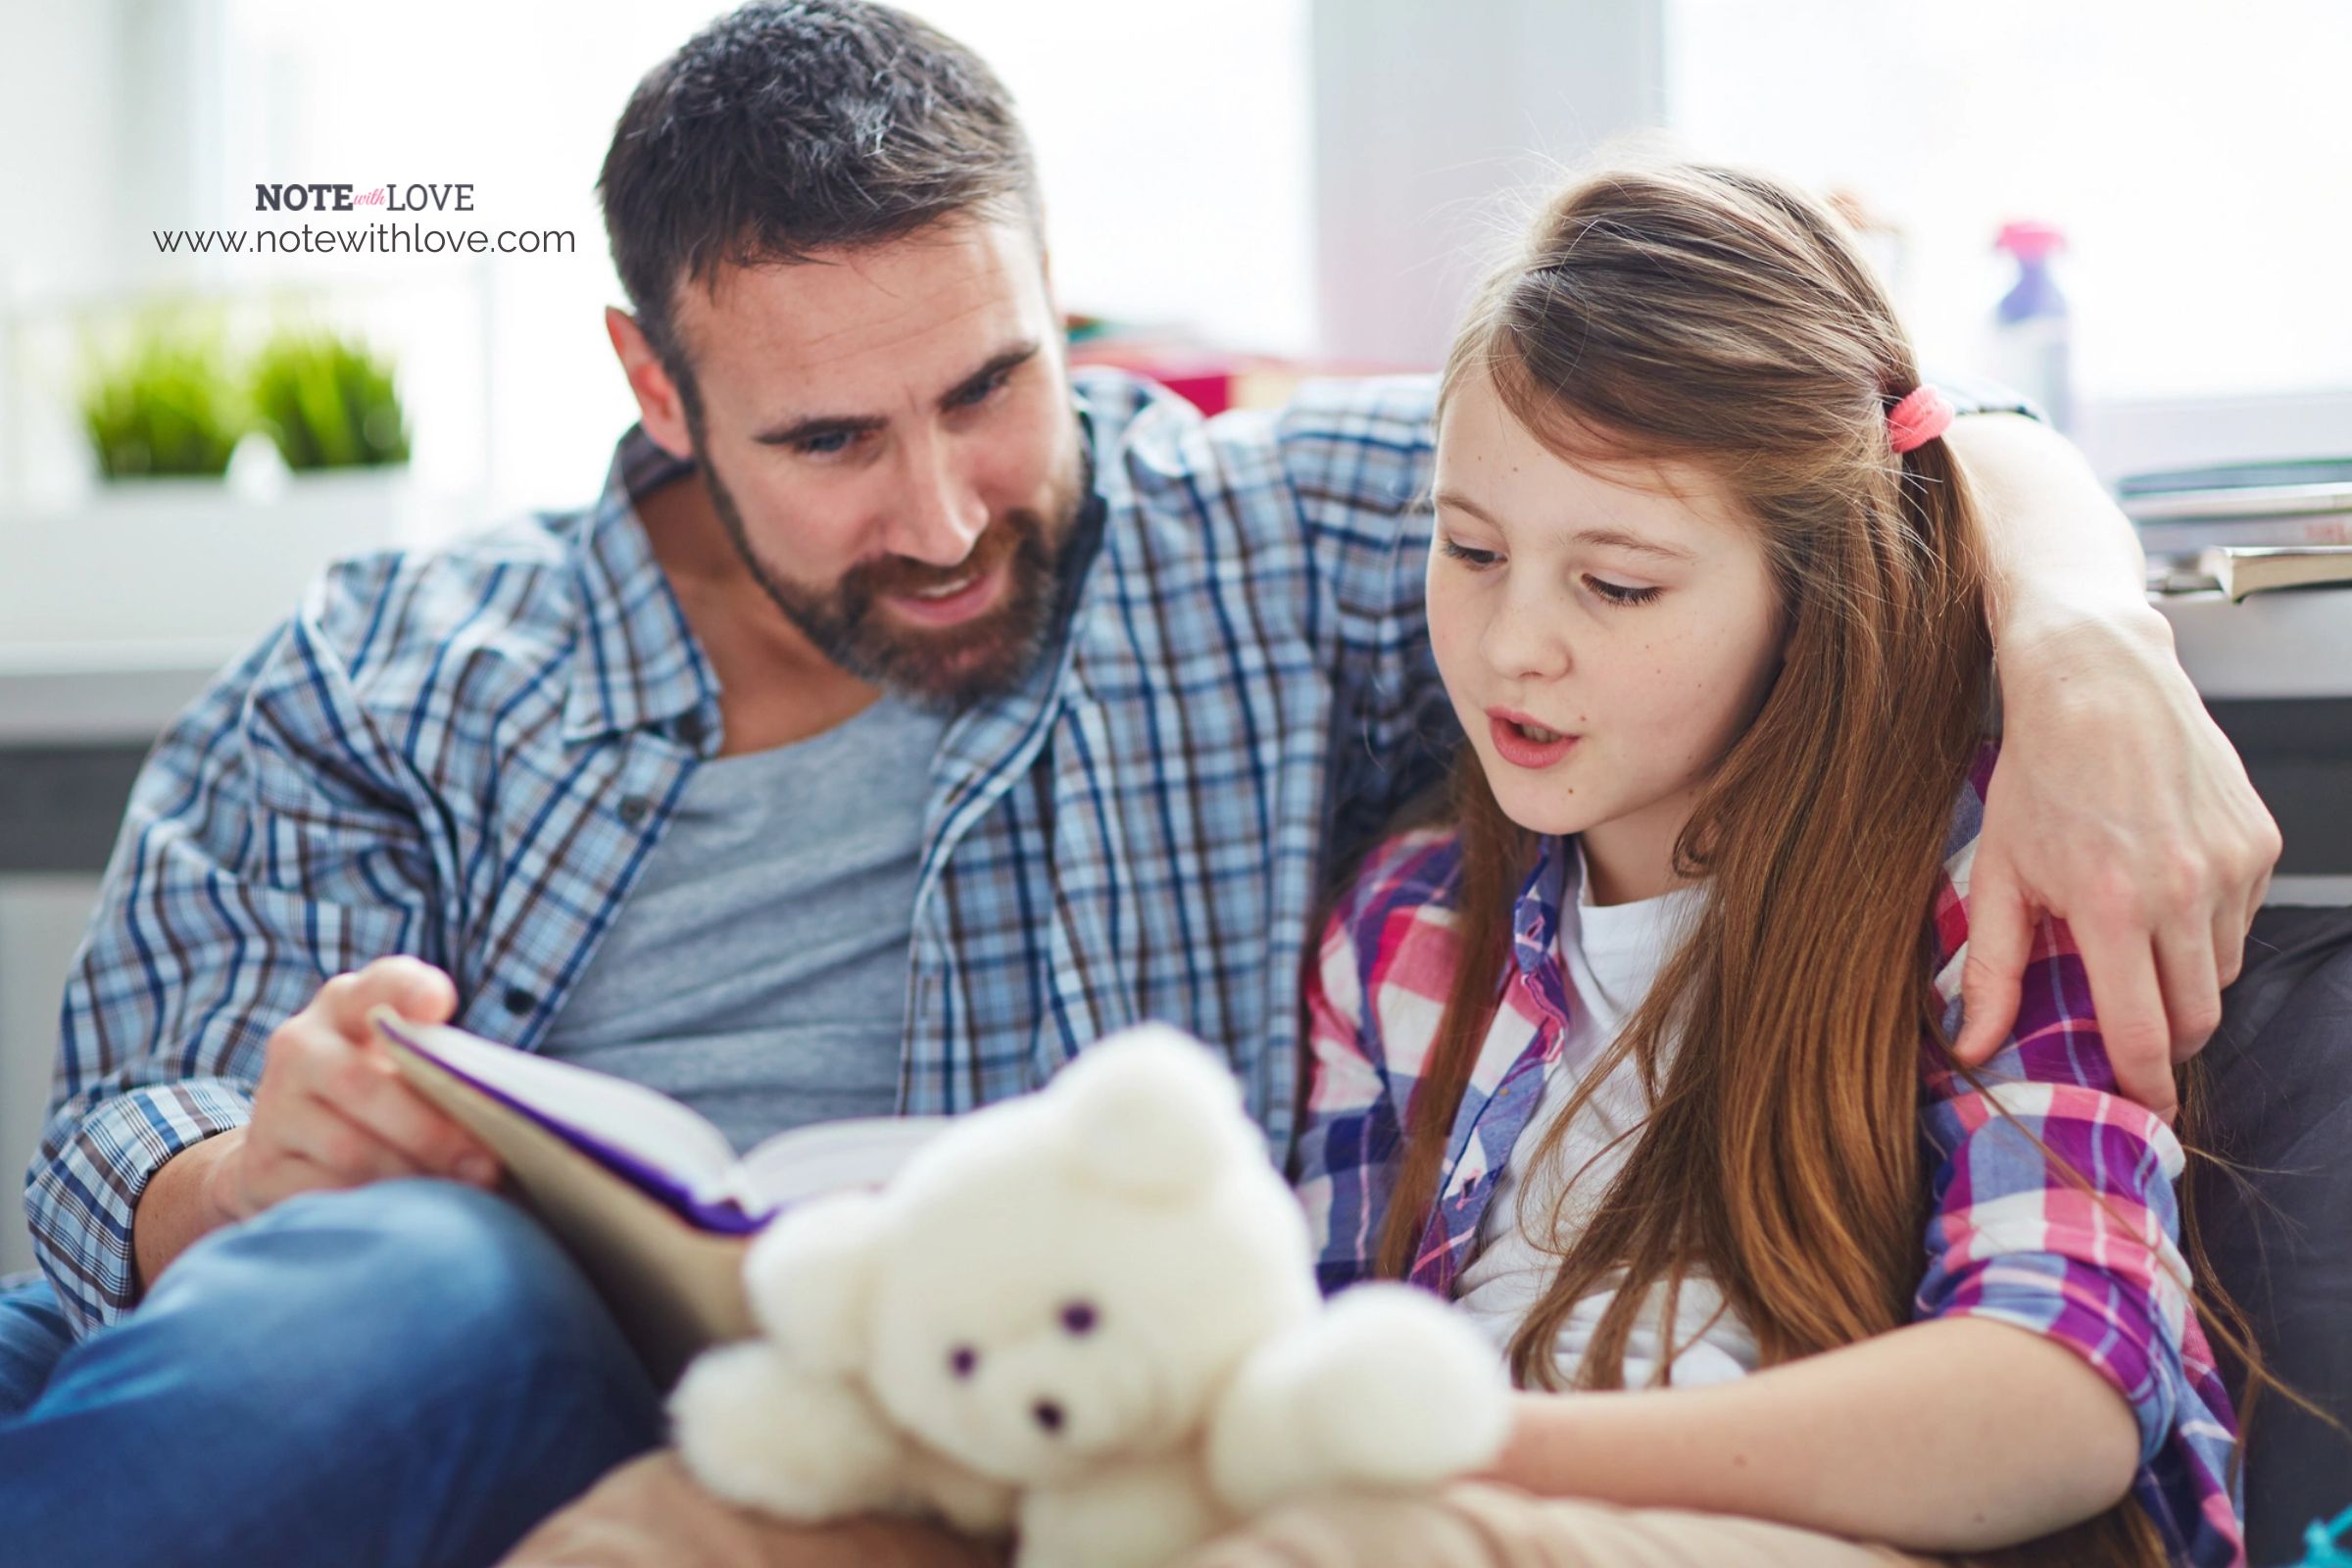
(827, 445)
(980, 394)
(1475, 559)
(1617, 593)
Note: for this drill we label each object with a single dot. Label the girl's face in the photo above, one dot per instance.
(1604, 639)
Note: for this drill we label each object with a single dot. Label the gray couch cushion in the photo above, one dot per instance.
(2277, 1101)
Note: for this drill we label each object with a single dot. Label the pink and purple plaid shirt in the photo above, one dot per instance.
(2009, 1237)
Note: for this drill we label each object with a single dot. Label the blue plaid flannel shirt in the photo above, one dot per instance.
(468, 754)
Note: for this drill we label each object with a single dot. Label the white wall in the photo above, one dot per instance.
(1425, 116)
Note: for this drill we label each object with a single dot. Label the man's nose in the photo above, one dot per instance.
(938, 512)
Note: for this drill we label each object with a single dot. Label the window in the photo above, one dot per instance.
(1172, 142)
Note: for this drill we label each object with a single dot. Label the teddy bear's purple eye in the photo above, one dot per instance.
(962, 1361)
(1079, 1317)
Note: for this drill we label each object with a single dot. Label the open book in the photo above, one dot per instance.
(651, 1198)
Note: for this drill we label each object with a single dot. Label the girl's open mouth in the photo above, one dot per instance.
(1527, 745)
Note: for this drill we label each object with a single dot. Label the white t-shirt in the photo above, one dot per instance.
(1612, 953)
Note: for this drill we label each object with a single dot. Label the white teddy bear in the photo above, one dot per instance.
(1090, 1315)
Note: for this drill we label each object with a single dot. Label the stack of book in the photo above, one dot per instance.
(2245, 527)
(2242, 570)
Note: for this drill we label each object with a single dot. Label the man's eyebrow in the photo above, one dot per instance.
(1616, 537)
(1017, 355)
(817, 427)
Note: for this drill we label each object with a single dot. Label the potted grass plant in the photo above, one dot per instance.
(328, 403)
(166, 410)
(180, 542)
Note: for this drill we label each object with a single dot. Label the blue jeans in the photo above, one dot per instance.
(409, 1372)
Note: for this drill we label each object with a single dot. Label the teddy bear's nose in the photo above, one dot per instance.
(1048, 1414)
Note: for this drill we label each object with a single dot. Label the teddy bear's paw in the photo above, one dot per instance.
(1140, 1515)
(758, 1431)
(1407, 1392)
(1388, 1387)
(808, 1279)
(970, 1502)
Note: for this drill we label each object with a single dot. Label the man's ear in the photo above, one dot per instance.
(659, 407)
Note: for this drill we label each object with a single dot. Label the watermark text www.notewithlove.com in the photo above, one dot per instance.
(370, 239)
(379, 238)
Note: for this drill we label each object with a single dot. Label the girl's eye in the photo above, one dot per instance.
(1475, 559)
(1618, 593)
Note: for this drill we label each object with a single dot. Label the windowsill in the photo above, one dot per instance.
(2296, 643)
(102, 692)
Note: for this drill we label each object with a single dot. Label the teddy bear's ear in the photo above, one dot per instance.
(811, 1278)
(1153, 1111)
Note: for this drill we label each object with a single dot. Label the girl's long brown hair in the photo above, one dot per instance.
(1717, 317)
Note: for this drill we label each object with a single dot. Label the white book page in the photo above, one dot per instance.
(628, 1117)
(827, 1157)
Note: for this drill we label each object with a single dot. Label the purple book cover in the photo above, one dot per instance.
(721, 1217)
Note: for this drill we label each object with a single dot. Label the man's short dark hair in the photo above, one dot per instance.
(792, 127)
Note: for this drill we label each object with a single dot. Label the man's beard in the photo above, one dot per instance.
(941, 667)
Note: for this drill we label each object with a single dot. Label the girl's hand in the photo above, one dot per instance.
(1518, 1460)
(2118, 806)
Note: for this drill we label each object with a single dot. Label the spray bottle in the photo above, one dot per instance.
(2031, 346)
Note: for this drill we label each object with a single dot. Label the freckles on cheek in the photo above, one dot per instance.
(1714, 717)
(1439, 609)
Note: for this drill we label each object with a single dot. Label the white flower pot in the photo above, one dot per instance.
(189, 560)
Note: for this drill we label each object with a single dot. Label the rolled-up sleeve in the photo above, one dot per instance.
(269, 843)
(2053, 1209)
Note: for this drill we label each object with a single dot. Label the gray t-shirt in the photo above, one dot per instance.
(758, 970)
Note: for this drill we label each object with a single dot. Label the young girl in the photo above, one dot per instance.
(1640, 1054)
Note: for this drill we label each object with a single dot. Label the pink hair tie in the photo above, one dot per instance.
(1919, 418)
